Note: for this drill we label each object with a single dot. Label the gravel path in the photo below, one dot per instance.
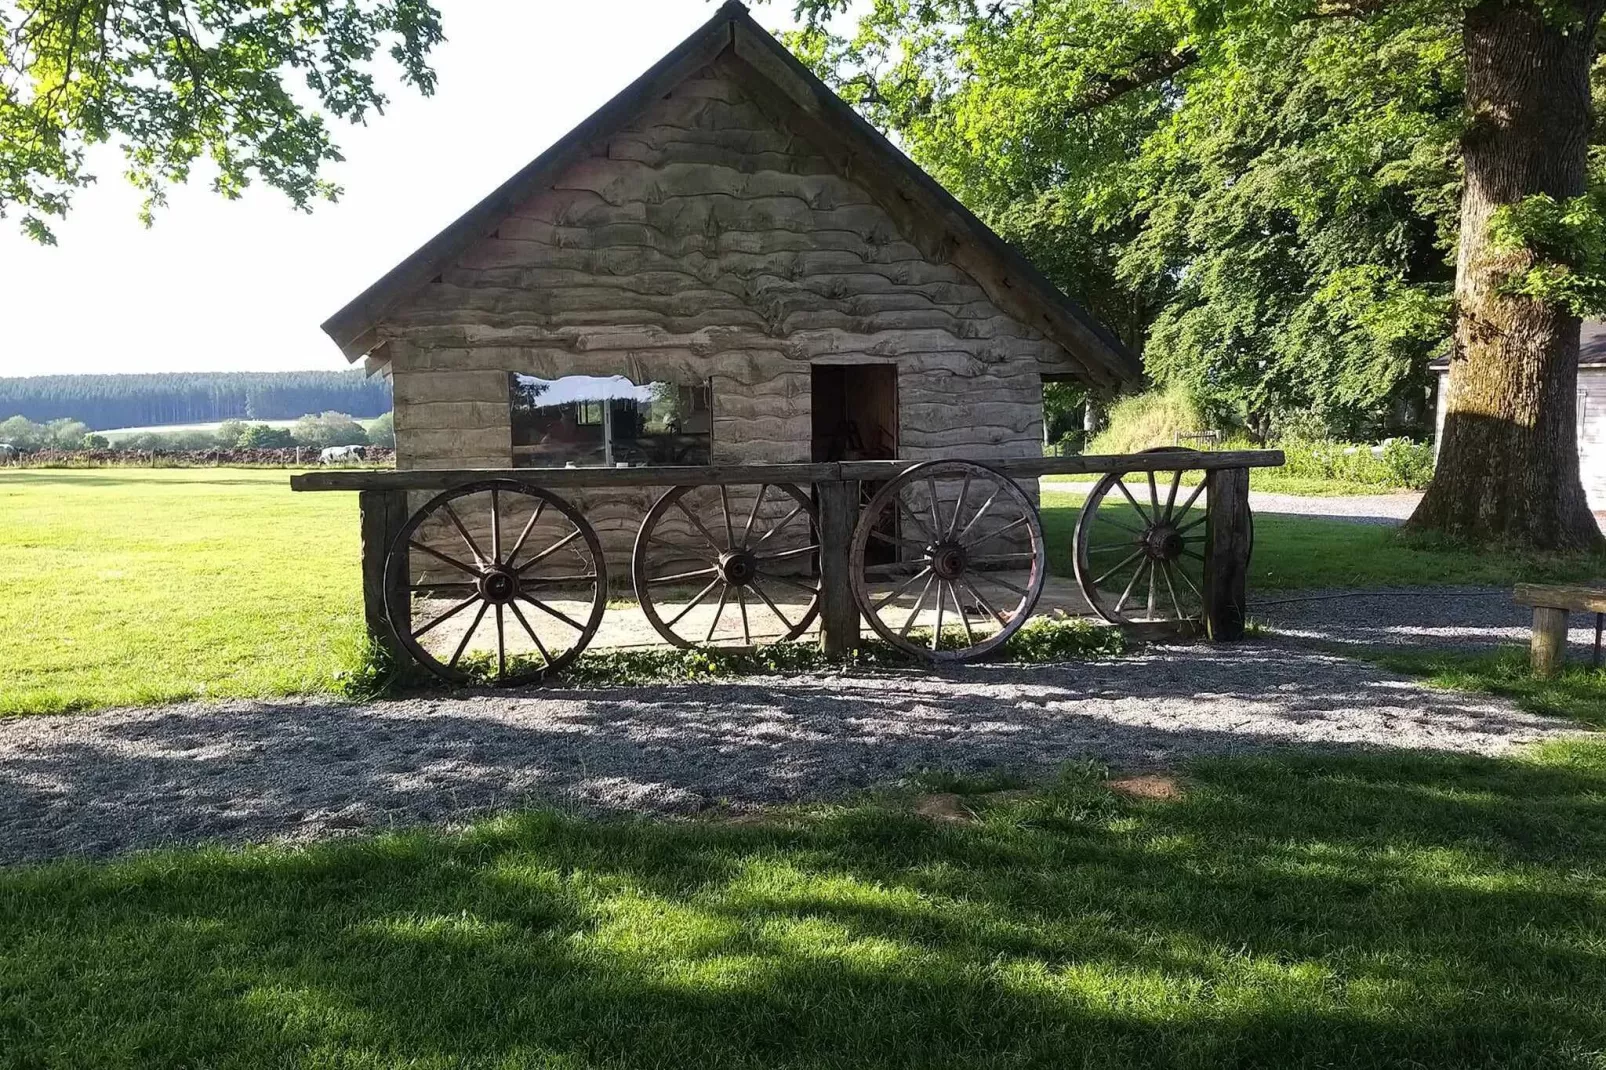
(1393, 509)
(100, 784)
(1464, 618)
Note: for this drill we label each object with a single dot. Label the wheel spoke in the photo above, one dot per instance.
(683, 550)
(1131, 585)
(970, 636)
(1000, 618)
(564, 617)
(1154, 496)
(797, 552)
(1171, 589)
(536, 639)
(741, 603)
(463, 645)
(1195, 522)
(548, 581)
(902, 587)
(914, 520)
(992, 578)
(724, 596)
(549, 551)
(999, 559)
(501, 644)
(725, 507)
(695, 602)
(1114, 548)
(936, 632)
(698, 524)
(1194, 554)
(431, 551)
(457, 523)
(1152, 570)
(496, 531)
(903, 633)
(893, 540)
(959, 507)
(936, 513)
(973, 521)
(1171, 497)
(747, 529)
(1128, 495)
(679, 576)
(785, 520)
(1198, 490)
(450, 613)
(1011, 526)
(778, 578)
(1119, 567)
(1189, 581)
(540, 504)
(775, 609)
(894, 569)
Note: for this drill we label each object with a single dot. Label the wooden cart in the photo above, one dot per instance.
(945, 560)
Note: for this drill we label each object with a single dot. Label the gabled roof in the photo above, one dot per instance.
(941, 227)
(1591, 347)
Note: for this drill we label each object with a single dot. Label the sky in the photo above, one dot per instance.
(242, 285)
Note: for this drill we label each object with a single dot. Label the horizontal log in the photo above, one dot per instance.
(712, 475)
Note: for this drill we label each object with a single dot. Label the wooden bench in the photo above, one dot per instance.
(1551, 604)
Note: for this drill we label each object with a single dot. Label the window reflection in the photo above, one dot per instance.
(592, 420)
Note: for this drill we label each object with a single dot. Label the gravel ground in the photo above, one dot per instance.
(100, 784)
(1464, 618)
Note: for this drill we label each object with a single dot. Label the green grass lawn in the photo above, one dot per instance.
(122, 586)
(1295, 551)
(1370, 910)
(141, 585)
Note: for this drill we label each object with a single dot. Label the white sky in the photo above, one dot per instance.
(243, 285)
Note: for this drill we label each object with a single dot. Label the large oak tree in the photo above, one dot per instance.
(1284, 153)
(238, 85)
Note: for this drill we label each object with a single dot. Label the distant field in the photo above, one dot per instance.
(122, 586)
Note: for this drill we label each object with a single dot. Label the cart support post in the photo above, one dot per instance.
(383, 512)
(839, 615)
(1227, 546)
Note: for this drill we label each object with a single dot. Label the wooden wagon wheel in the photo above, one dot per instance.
(708, 574)
(948, 535)
(497, 582)
(1139, 557)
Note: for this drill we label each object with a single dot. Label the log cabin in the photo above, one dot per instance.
(724, 264)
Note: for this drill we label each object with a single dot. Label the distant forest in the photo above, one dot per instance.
(111, 401)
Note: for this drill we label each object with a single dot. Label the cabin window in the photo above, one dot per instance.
(585, 421)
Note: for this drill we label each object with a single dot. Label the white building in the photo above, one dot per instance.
(1591, 410)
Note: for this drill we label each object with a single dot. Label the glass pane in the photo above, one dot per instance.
(590, 420)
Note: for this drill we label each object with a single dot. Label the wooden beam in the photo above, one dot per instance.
(1584, 599)
(733, 475)
(1228, 537)
(382, 514)
(839, 614)
(1549, 645)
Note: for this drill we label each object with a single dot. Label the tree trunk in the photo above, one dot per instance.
(1508, 456)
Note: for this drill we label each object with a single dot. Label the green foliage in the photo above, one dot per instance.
(94, 441)
(62, 434)
(1563, 245)
(329, 429)
(241, 86)
(1577, 692)
(1276, 214)
(264, 437)
(1154, 418)
(382, 431)
(1397, 463)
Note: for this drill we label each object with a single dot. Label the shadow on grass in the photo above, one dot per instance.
(1577, 692)
(1364, 910)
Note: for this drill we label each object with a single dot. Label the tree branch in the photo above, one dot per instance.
(1146, 71)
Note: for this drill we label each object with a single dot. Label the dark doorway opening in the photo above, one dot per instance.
(855, 416)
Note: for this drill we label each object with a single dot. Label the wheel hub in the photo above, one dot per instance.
(737, 567)
(499, 585)
(948, 560)
(1163, 543)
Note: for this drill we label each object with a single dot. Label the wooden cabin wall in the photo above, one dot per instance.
(707, 241)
